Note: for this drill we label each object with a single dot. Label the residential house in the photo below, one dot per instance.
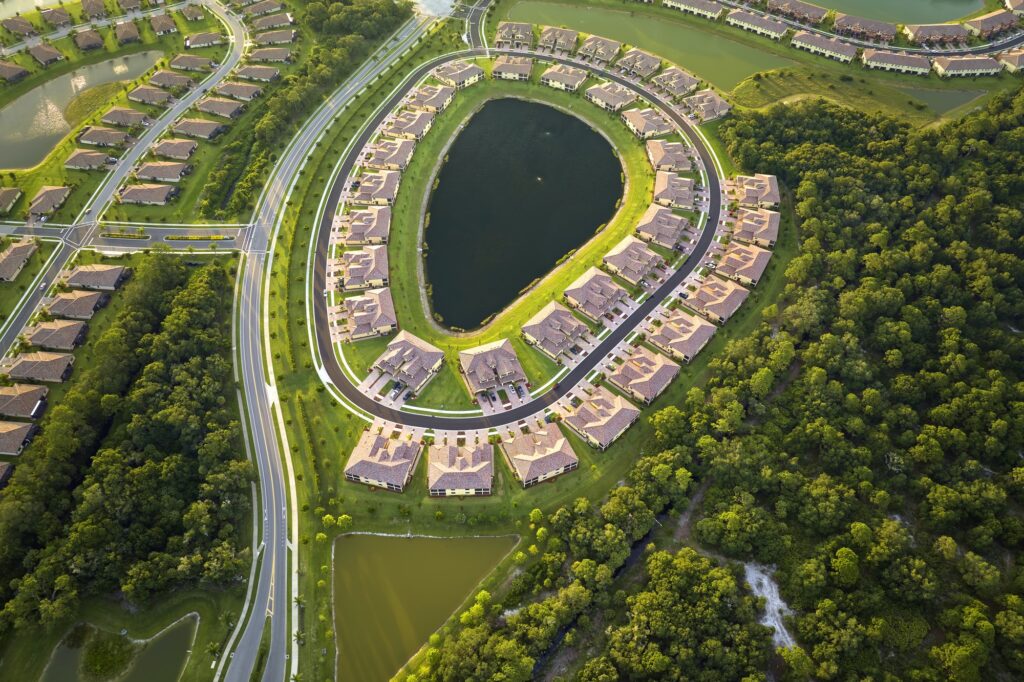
(245, 92)
(190, 62)
(756, 226)
(675, 82)
(827, 47)
(162, 24)
(512, 68)
(966, 66)
(669, 156)
(754, 191)
(1016, 6)
(11, 72)
(100, 136)
(368, 315)
(364, 268)
(220, 106)
(707, 105)
(556, 332)
(15, 437)
(901, 62)
(148, 194)
(646, 123)
(387, 154)
(744, 263)
(76, 304)
(410, 360)
(409, 124)
(702, 8)
(128, 118)
(163, 171)
(56, 334)
(273, 21)
(173, 148)
(659, 225)
(631, 260)
(643, 374)
(369, 225)
(94, 9)
(45, 54)
(679, 333)
(14, 257)
(717, 299)
(598, 50)
(540, 455)
(193, 12)
(557, 40)
(23, 401)
(797, 10)
(992, 24)
(458, 74)
(596, 295)
(674, 190)
(756, 23)
(129, 5)
(199, 127)
(147, 94)
(47, 200)
(279, 37)
(8, 197)
(98, 276)
(1012, 60)
(638, 63)
(868, 29)
(265, 74)
(19, 26)
(263, 8)
(460, 470)
(936, 34)
(204, 39)
(89, 39)
(57, 17)
(171, 80)
(563, 77)
(87, 159)
(602, 417)
(491, 366)
(376, 188)
(610, 96)
(433, 98)
(514, 35)
(383, 462)
(271, 54)
(42, 366)
(126, 32)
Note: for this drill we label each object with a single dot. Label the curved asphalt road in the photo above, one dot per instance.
(323, 336)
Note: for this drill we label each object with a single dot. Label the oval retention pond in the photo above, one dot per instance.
(524, 184)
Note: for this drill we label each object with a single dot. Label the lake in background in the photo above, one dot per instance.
(906, 11)
(8, 8)
(524, 184)
(391, 593)
(32, 125)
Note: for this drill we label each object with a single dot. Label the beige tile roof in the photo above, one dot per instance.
(1013, 58)
(707, 104)
(261, 8)
(170, 79)
(457, 73)
(89, 39)
(377, 188)
(163, 171)
(757, 225)
(56, 334)
(191, 62)
(48, 199)
(204, 39)
(644, 374)
(661, 226)
(751, 190)
(602, 417)
(859, 26)
(198, 127)
(272, 21)
(364, 225)
(757, 22)
(636, 61)
(104, 137)
(126, 32)
(646, 122)
(147, 94)
(514, 32)
(14, 436)
(148, 194)
(680, 334)
(162, 24)
(270, 54)
(14, 257)
(491, 366)
(599, 48)
(819, 42)
(611, 96)
(568, 76)
(387, 460)
(101, 276)
(432, 97)
(370, 314)
(45, 54)
(408, 123)
(744, 262)
(453, 467)
(555, 38)
(993, 22)
(386, 153)
(219, 106)
(673, 190)
(595, 294)
(555, 330)
(675, 81)
(924, 33)
(76, 304)
(38, 366)
(631, 260)
(280, 37)
(125, 116)
(364, 267)
(8, 196)
(539, 453)
(797, 9)
(410, 359)
(967, 64)
(23, 401)
(174, 148)
(192, 12)
(717, 298)
(876, 58)
(513, 65)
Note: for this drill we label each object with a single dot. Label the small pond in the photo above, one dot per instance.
(160, 659)
(391, 593)
(33, 124)
(8, 8)
(524, 184)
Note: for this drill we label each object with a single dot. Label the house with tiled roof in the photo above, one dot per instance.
(410, 360)
(98, 276)
(610, 96)
(744, 263)
(173, 148)
(56, 334)
(966, 66)
(601, 417)
(273, 21)
(220, 106)
(754, 191)
(89, 39)
(8, 197)
(707, 105)
(100, 136)
(162, 24)
(757, 226)
(631, 260)
(126, 32)
(409, 124)
(163, 171)
(15, 437)
(23, 401)
(833, 48)
(375, 188)
(364, 268)
(435, 98)
(638, 63)
(48, 199)
(171, 80)
(76, 304)
(678, 333)
(709, 9)
(199, 127)
(868, 29)
(674, 190)
(42, 366)
(57, 17)
(11, 72)
(992, 24)
(512, 68)
(515, 35)
(798, 10)
(490, 366)
(659, 225)
(14, 257)
(555, 39)
(1012, 61)
(458, 74)
(675, 82)
(191, 62)
(669, 156)
(757, 23)
(383, 462)
(598, 49)
(595, 294)
(245, 92)
(900, 62)
(147, 94)
(563, 77)
(280, 37)
(369, 314)
(540, 455)
(455, 470)
(556, 332)
(646, 123)
(271, 54)
(205, 39)
(387, 154)
(19, 26)
(148, 194)
(369, 225)
(717, 299)
(45, 54)
(124, 116)
(643, 374)
(936, 34)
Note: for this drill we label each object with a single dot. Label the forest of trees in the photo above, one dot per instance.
(866, 439)
(137, 481)
(346, 31)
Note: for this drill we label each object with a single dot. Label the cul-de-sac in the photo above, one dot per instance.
(511, 340)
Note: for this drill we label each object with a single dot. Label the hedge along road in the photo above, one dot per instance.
(323, 337)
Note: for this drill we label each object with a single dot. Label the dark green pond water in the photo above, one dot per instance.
(524, 185)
